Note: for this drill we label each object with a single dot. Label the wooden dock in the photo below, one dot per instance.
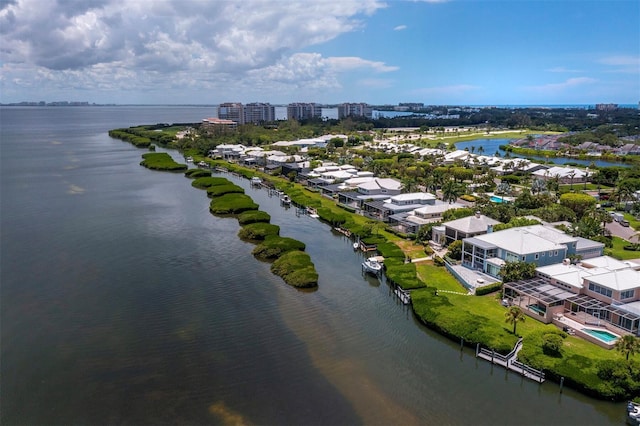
(510, 362)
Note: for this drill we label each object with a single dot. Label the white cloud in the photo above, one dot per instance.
(563, 70)
(567, 84)
(622, 63)
(346, 63)
(400, 28)
(148, 44)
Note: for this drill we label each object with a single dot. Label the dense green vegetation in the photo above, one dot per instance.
(275, 246)
(206, 182)
(161, 161)
(296, 269)
(253, 216)
(197, 173)
(232, 204)
(218, 190)
(258, 231)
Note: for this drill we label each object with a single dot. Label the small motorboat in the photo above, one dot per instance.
(356, 245)
(256, 181)
(312, 212)
(286, 200)
(372, 266)
(189, 159)
(203, 164)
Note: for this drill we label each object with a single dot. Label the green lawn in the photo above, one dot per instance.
(619, 252)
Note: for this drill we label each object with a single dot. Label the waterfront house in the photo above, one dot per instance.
(539, 244)
(411, 222)
(382, 209)
(370, 189)
(465, 227)
(601, 291)
(563, 174)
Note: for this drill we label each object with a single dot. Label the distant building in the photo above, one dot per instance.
(259, 112)
(606, 107)
(354, 110)
(231, 111)
(303, 111)
(219, 124)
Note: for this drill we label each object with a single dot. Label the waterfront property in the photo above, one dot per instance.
(539, 244)
(591, 297)
(465, 227)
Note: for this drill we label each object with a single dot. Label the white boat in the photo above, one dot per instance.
(356, 245)
(372, 266)
(633, 413)
(256, 181)
(189, 159)
(403, 295)
(203, 164)
(286, 200)
(312, 212)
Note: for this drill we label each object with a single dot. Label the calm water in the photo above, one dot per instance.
(125, 302)
(491, 146)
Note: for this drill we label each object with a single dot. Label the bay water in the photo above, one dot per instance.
(124, 301)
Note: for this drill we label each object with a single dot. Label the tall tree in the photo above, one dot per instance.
(514, 315)
(451, 191)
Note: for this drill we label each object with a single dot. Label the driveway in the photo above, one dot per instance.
(622, 231)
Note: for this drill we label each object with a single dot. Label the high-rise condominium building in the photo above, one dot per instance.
(354, 110)
(259, 112)
(231, 111)
(303, 111)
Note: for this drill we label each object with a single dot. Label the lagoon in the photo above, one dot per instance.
(492, 146)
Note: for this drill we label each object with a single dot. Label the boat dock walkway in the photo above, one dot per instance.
(510, 362)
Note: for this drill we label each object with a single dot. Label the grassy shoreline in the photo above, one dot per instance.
(475, 319)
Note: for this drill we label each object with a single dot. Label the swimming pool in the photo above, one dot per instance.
(539, 310)
(497, 199)
(603, 335)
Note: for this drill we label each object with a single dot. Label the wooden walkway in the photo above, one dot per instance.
(510, 362)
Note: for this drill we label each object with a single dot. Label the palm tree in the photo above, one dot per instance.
(628, 345)
(538, 186)
(451, 191)
(571, 175)
(513, 316)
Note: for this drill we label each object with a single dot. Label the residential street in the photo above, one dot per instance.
(622, 231)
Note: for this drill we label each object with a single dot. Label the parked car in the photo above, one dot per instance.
(624, 223)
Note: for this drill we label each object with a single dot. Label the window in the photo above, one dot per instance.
(523, 258)
(555, 253)
(601, 290)
(628, 294)
(543, 253)
(537, 256)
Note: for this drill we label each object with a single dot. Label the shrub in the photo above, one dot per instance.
(389, 250)
(552, 344)
(232, 204)
(329, 216)
(253, 216)
(402, 274)
(468, 197)
(161, 161)
(438, 261)
(218, 190)
(197, 173)
(490, 288)
(275, 246)
(296, 269)
(206, 182)
(258, 231)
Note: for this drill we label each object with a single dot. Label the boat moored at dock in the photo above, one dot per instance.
(372, 266)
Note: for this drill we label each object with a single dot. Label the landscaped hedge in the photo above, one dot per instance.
(490, 288)
(232, 204)
(206, 182)
(258, 231)
(296, 269)
(254, 216)
(275, 246)
(161, 161)
(219, 190)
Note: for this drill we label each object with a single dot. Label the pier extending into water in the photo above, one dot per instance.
(510, 362)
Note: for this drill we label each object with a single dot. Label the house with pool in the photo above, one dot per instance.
(539, 244)
(598, 298)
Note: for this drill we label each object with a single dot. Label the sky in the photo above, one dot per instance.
(438, 52)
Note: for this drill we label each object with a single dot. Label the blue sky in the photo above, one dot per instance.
(457, 52)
